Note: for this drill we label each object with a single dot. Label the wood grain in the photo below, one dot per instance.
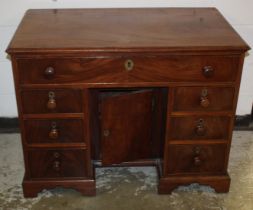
(180, 159)
(128, 120)
(72, 163)
(185, 127)
(82, 56)
(133, 29)
(189, 99)
(112, 70)
(69, 131)
(67, 101)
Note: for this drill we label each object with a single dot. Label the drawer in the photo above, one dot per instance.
(196, 159)
(51, 101)
(71, 70)
(57, 163)
(199, 127)
(54, 131)
(183, 68)
(203, 99)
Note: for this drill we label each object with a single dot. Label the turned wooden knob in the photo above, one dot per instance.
(54, 133)
(200, 128)
(208, 71)
(204, 102)
(49, 72)
(56, 165)
(51, 104)
(197, 161)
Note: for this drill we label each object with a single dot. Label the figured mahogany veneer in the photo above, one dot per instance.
(203, 99)
(54, 130)
(126, 131)
(57, 163)
(64, 101)
(126, 87)
(199, 127)
(146, 69)
(196, 159)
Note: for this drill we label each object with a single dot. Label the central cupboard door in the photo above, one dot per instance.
(126, 124)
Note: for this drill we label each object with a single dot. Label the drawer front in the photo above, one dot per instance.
(57, 163)
(203, 99)
(199, 127)
(46, 71)
(183, 68)
(54, 131)
(196, 159)
(51, 101)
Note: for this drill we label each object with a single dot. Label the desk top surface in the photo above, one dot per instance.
(162, 29)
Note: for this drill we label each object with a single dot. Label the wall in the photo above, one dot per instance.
(238, 12)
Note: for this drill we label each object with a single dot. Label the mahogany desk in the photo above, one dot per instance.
(126, 87)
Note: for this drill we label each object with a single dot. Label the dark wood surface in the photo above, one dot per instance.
(199, 127)
(126, 126)
(80, 68)
(203, 99)
(117, 29)
(72, 70)
(196, 159)
(54, 131)
(66, 101)
(145, 69)
(57, 163)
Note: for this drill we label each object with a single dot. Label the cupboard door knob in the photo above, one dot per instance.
(129, 65)
(106, 133)
(49, 72)
(200, 128)
(56, 165)
(51, 104)
(54, 133)
(208, 71)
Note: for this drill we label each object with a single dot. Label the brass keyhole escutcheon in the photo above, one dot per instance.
(204, 93)
(51, 104)
(129, 65)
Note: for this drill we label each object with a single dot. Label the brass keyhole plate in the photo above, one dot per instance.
(129, 65)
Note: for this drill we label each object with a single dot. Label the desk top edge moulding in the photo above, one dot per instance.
(126, 87)
(165, 29)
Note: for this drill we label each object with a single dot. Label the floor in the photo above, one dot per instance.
(129, 188)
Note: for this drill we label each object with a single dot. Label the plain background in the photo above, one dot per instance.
(237, 12)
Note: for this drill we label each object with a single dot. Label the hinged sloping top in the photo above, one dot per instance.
(159, 29)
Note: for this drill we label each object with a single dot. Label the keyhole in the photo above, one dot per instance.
(51, 95)
(129, 64)
(204, 92)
